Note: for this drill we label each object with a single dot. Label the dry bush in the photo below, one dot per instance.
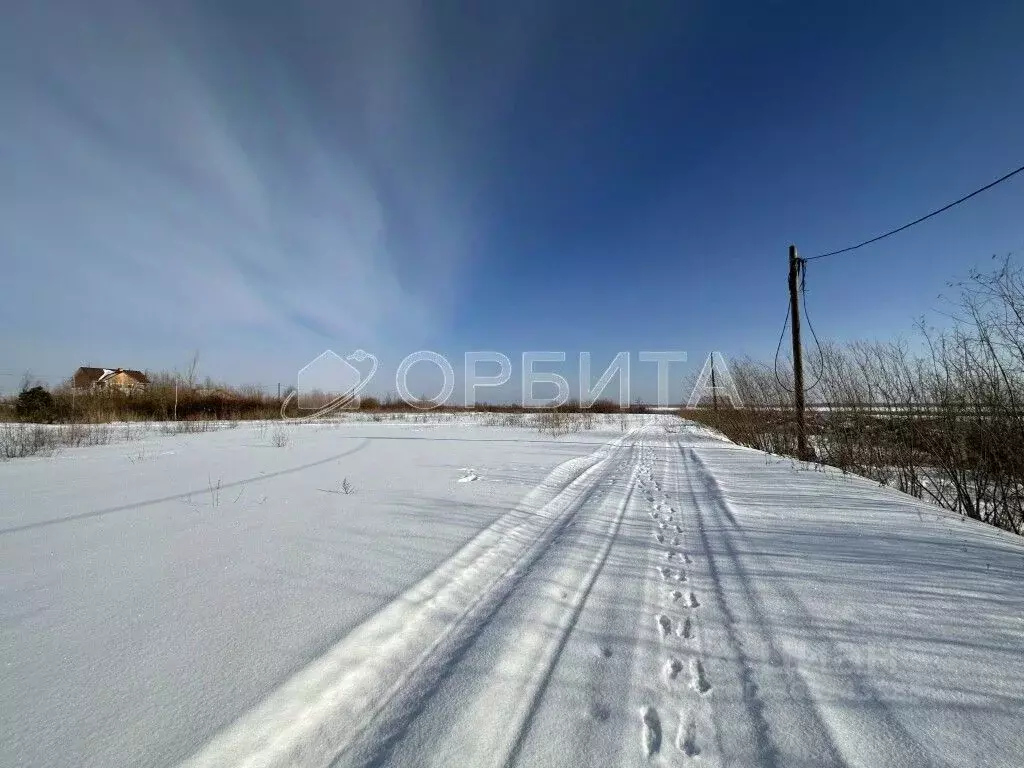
(280, 437)
(21, 440)
(187, 427)
(946, 425)
(510, 419)
(552, 422)
(556, 422)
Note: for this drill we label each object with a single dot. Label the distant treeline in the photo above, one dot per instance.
(167, 399)
(160, 400)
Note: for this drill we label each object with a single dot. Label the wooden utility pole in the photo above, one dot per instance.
(795, 265)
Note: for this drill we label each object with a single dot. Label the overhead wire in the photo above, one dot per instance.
(814, 335)
(927, 216)
(778, 349)
(821, 353)
(802, 265)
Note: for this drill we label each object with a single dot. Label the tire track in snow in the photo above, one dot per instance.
(521, 728)
(365, 442)
(351, 701)
(622, 612)
(755, 730)
(890, 742)
(521, 649)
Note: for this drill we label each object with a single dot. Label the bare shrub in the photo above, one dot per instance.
(553, 422)
(946, 425)
(215, 488)
(21, 440)
(279, 437)
(509, 419)
(187, 427)
(586, 420)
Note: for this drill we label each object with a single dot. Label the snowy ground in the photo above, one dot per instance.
(491, 596)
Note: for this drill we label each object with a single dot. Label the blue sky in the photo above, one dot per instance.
(261, 181)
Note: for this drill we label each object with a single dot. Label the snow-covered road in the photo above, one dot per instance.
(660, 597)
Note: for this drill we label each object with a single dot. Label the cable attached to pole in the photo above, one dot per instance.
(927, 216)
(778, 349)
(807, 317)
(782, 335)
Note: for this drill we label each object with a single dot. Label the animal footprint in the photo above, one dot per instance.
(664, 624)
(672, 668)
(686, 739)
(699, 677)
(651, 732)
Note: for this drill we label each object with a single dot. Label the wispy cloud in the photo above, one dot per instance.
(190, 177)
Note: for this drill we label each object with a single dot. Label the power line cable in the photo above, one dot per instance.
(782, 335)
(778, 349)
(1000, 180)
(821, 354)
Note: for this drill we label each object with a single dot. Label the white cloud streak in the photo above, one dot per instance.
(183, 187)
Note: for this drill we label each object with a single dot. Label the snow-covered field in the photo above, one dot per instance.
(494, 596)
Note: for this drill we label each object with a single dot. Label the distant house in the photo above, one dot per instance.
(119, 379)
